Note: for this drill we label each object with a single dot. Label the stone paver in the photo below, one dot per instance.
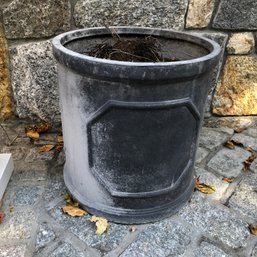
(229, 163)
(45, 235)
(35, 225)
(209, 250)
(66, 250)
(211, 139)
(244, 200)
(219, 224)
(162, 239)
(13, 251)
(201, 154)
(27, 195)
(18, 225)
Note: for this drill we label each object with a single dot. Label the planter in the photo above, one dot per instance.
(130, 128)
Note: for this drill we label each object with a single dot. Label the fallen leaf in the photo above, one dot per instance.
(12, 209)
(228, 180)
(32, 134)
(231, 144)
(74, 211)
(239, 130)
(204, 188)
(253, 229)
(34, 130)
(247, 163)
(101, 224)
(45, 148)
(40, 128)
(2, 216)
(249, 149)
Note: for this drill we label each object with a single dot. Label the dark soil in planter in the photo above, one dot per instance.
(131, 50)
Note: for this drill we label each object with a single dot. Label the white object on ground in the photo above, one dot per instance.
(6, 169)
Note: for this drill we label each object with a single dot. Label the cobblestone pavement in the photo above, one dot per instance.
(208, 225)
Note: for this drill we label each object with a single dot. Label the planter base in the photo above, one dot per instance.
(129, 216)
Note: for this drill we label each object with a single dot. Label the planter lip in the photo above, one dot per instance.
(101, 67)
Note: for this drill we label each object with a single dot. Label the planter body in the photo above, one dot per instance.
(131, 129)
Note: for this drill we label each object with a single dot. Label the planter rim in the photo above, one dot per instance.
(100, 67)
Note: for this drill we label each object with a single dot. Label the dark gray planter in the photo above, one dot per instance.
(131, 129)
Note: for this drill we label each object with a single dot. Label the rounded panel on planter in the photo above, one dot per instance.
(135, 148)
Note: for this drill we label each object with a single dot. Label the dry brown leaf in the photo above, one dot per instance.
(239, 130)
(249, 149)
(74, 211)
(12, 209)
(34, 130)
(253, 229)
(204, 188)
(247, 163)
(231, 144)
(32, 134)
(101, 224)
(228, 180)
(2, 216)
(45, 148)
(40, 128)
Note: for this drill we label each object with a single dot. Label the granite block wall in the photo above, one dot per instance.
(28, 77)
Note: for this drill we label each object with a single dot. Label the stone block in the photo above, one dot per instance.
(217, 222)
(25, 196)
(199, 13)
(158, 13)
(244, 200)
(240, 43)
(236, 15)
(13, 251)
(44, 236)
(165, 238)
(229, 163)
(236, 93)
(34, 81)
(210, 179)
(251, 131)
(66, 250)
(200, 154)
(211, 139)
(5, 88)
(18, 225)
(36, 19)
(209, 250)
